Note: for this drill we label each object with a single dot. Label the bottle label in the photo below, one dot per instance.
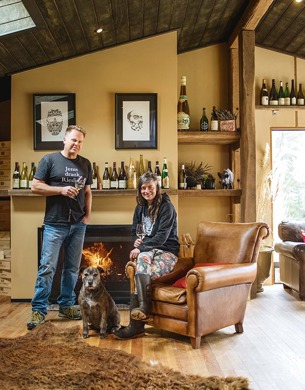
(204, 126)
(106, 184)
(301, 102)
(114, 184)
(122, 184)
(214, 125)
(281, 101)
(293, 100)
(182, 98)
(94, 184)
(159, 179)
(24, 184)
(274, 102)
(265, 101)
(183, 185)
(287, 101)
(165, 182)
(15, 184)
(183, 121)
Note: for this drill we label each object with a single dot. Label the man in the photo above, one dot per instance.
(66, 217)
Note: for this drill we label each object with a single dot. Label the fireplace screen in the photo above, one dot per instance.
(106, 246)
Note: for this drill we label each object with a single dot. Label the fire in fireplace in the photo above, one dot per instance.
(106, 246)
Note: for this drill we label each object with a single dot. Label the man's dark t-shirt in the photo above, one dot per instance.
(56, 170)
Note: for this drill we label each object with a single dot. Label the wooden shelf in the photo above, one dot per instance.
(95, 193)
(208, 193)
(279, 107)
(208, 137)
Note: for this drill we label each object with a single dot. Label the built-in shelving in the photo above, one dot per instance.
(279, 107)
(208, 137)
(208, 193)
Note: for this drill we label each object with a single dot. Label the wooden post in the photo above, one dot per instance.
(246, 48)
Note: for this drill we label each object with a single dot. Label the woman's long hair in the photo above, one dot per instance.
(154, 207)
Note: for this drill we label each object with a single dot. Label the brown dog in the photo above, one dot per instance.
(97, 307)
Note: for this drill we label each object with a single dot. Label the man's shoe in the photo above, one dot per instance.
(36, 319)
(70, 312)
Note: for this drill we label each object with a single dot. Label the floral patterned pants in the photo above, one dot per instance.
(155, 263)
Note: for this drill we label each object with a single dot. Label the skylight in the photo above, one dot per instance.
(14, 17)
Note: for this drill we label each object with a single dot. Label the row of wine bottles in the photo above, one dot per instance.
(281, 96)
(183, 113)
(120, 179)
(23, 179)
(111, 179)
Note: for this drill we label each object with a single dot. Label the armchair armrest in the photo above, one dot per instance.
(210, 278)
(292, 249)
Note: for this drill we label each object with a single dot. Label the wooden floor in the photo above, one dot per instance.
(270, 352)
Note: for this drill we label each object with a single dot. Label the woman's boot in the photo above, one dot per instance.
(142, 312)
(135, 328)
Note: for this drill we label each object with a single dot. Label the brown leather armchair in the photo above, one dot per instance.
(292, 256)
(215, 296)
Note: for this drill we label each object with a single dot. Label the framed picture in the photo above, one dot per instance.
(136, 121)
(53, 113)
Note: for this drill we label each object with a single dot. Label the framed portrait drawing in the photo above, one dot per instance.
(53, 113)
(136, 121)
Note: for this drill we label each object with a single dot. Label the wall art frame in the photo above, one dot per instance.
(52, 114)
(136, 121)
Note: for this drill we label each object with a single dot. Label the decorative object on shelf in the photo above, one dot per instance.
(226, 179)
(183, 110)
(209, 182)
(195, 175)
(136, 121)
(53, 113)
(227, 120)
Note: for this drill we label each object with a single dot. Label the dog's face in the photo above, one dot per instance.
(91, 277)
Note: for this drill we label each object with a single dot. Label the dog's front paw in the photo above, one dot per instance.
(85, 335)
(103, 335)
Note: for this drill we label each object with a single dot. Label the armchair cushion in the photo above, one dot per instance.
(182, 281)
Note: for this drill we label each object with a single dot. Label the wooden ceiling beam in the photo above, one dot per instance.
(254, 12)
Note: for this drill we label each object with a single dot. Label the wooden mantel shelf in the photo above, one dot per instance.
(208, 137)
(115, 193)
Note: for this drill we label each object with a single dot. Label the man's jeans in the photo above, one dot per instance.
(72, 237)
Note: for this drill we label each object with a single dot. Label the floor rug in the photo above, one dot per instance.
(52, 358)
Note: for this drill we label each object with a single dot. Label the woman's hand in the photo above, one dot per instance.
(137, 242)
(134, 253)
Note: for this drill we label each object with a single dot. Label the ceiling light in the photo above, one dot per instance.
(14, 17)
(98, 30)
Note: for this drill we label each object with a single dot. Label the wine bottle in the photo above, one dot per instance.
(141, 165)
(214, 120)
(165, 176)
(293, 96)
(287, 95)
(273, 97)
(24, 179)
(114, 179)
(122, 177)
(32, 174)
(183, 111)
(264, 94)
(106, 177)
(149, 170)
(281, 95)
(204, 123)
(132, 175)
(94, 177)
(158, 174)
(16, 177)
(300, 97)
(182, 178)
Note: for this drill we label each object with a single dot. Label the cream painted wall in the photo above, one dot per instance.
(148, 66)
(269, 65)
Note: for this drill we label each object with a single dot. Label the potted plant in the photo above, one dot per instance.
(195, 174)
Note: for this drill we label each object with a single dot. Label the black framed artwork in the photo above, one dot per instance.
(136, 121)
(53, 113)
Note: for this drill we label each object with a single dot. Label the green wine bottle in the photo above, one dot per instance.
(24, 179)
(165, 176)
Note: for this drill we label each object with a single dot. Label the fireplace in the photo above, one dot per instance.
(107, 246)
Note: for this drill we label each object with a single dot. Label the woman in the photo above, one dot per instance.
(155, 255)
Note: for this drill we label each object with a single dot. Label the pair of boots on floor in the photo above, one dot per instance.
(140, 309)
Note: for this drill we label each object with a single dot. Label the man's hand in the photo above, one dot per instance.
(69, 191)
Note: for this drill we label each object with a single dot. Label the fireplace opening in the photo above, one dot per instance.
(106, 246)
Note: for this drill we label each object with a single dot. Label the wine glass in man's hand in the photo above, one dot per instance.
(79, 184)
(140, 231)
